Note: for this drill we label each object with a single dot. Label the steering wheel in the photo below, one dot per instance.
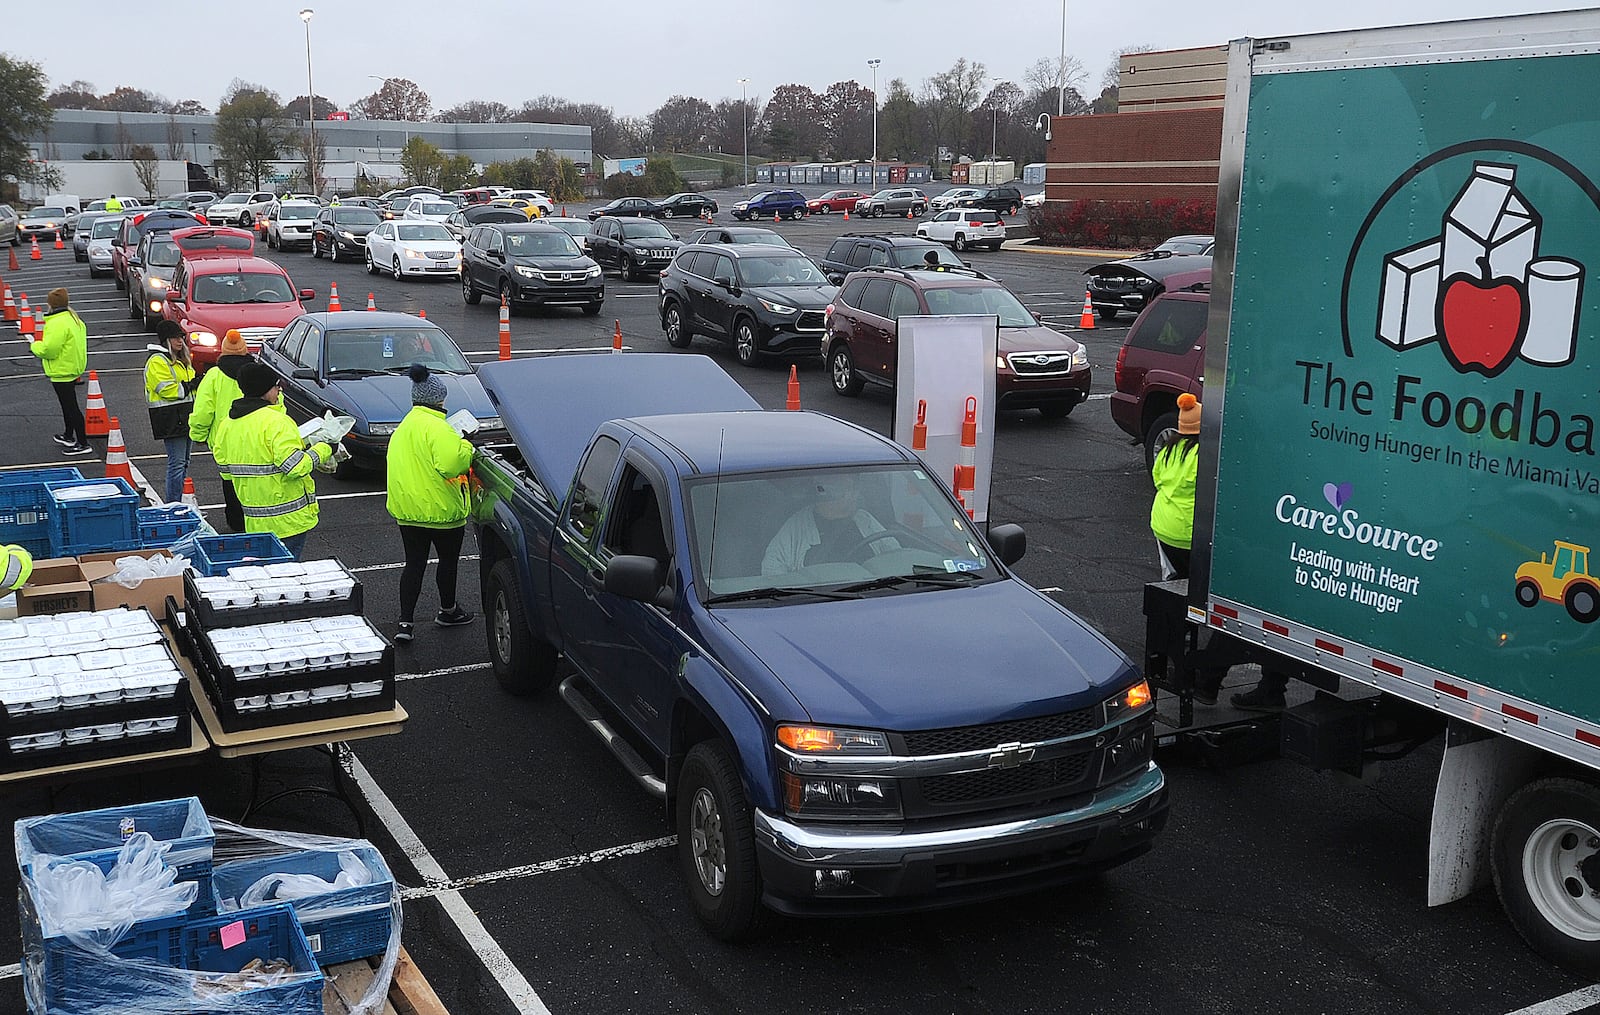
(892, 530)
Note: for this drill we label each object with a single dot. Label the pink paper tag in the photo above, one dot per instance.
(232, 934)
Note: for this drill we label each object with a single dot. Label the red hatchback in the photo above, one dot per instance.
(213, 294)
(834, 200)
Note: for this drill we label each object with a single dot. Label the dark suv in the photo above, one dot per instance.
(1037, 368)
(1005, 199)
(763, 299)
(529, 264)
(854, 251)
(785, 203)
(635, 247)
(896, 201)
(1162, 356)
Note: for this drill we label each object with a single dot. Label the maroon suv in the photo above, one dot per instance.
(1163, 356)
(1037, 368)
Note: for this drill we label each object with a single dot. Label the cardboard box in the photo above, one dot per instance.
(152, 593)
(60, 585)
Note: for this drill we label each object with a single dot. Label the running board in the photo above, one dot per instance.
(652, 783)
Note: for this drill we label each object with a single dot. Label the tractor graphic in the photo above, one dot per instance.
(1565, 580)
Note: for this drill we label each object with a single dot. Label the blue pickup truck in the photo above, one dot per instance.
(792, 635)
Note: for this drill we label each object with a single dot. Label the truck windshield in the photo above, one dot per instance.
(838, 530)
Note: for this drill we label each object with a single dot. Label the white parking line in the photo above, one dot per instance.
(448, 671)
(531, 870)
(499, 965)
(401, 564)
(1577, 1000)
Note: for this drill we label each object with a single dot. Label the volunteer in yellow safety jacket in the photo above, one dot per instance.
(218, 390)
(113, 205)
(270, 464)
(63, 351)
(16, 565)
(427, 485)
(169, 396)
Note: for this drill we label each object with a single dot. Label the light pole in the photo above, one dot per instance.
(311, 110)
(194, 139)
(874, 65)
(994, 133)
(744, 110)
(1061, 68)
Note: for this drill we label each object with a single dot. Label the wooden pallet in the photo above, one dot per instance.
(409, 992)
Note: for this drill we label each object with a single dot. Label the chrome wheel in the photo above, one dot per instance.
(1553, 862)
(744, 343)
(710, 855)
(372, 269)
(333, 252)
(395, 268)
(502, 629)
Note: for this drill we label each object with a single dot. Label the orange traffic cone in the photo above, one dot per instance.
(14, 265)
(967, 460)
(59, 244)
(505, 329)
(96, 421)
(616, 338)
(371, 303)
(189, 498)
(793, 402)
(422, 313)
(847, 214)
(775, 217)
(1086, 319)
(8, 306)
(333, 298)
(26, 325)
(908, 214)
(34, 254)
(117, 466)
(563, 211)
(919, 429)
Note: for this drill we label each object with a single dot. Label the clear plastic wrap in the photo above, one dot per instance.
(322, 900)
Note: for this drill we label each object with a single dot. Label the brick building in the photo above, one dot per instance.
(1165, 141)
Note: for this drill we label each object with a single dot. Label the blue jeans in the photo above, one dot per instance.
(296, 544)
(177, 466)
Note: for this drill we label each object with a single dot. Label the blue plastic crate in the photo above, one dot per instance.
(93, 526)
(165, 524)
(270, 932)
(61, 978)
(25, 507)
(352, 923)
(214, 555)
(97, 836)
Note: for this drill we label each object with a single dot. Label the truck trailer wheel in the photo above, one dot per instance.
(717, 845)
(1546, 859)
(523, 664)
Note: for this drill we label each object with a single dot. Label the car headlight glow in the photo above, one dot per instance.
(155, 306)
(414, 253)
(1129, 702)
(1080, 357)
(778, 308)
(382, 429)
(999, 362)
(158, 283)
(203, 338)
(594, 272)
(827, 740)
(348, 235)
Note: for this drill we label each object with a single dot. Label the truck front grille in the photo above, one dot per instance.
(956, 739)
(998, 785)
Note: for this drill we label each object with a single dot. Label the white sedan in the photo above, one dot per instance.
(965, 227)
(408, 247)
(427, 208)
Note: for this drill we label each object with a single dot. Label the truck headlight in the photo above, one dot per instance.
(826, 740)
(824, 797)
(777, 308)
(1129, 702)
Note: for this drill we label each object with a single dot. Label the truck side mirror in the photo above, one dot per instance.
(635, 577)
(1009, 543)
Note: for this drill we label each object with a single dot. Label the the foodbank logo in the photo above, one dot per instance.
(1482, 287)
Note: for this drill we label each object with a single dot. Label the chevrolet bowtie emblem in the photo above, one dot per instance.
(1010, 756)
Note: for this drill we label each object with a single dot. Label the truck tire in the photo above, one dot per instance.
(717, 845)
(523, 663)
(1545, 854)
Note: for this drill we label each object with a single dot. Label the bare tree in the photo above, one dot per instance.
(132, 100)
(398, 99)
(681, 124)
(188, 107)
(174, 138)
(124, 140)
(295, 108)
(948, 97)
(74, 95)
(1047, 77)
(146, 168)
(1113, 73)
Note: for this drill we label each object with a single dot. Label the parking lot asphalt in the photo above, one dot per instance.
(1273, 889)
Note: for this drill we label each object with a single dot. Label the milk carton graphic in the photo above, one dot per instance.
(1480, 287)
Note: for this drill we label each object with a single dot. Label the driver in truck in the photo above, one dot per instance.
(828, 530)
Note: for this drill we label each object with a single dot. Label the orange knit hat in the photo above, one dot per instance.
(1188, 414)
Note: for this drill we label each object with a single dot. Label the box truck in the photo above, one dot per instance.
(1398, 484)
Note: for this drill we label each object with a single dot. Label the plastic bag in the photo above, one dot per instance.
(132, 571)
(330, 429)
(343, 904)
(282, 887)
(94, 492)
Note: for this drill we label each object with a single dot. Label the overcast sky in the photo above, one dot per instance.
(633, 54)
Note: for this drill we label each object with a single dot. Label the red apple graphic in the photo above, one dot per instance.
(1482, 321)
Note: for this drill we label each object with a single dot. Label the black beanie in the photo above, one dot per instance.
(256, 380)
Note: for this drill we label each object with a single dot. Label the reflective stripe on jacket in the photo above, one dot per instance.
(167, 383)
(271, 471)
(428, 463)
(63, 345)
(1172, 512)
